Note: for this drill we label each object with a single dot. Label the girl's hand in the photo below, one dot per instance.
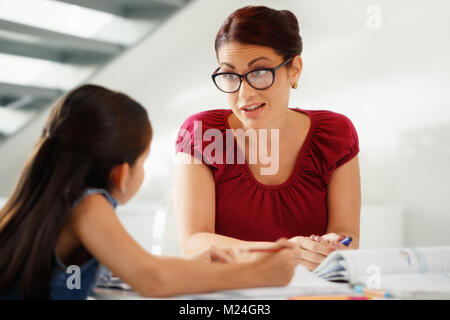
(214, 254)
(312, 250)
(277, 268)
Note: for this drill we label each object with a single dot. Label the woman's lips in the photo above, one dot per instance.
(252, 111)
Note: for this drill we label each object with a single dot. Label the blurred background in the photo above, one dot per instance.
(384, 64)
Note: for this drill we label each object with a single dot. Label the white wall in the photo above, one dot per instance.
(392, 82)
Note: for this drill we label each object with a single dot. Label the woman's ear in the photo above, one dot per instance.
(296, 68)
(119, 176)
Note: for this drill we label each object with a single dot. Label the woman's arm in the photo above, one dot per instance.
(344, 201)
(344, 205)
(195, 209)
(97, 227)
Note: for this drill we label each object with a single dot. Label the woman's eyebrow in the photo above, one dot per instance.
(227, 64)
(259, 58)
(249, 64)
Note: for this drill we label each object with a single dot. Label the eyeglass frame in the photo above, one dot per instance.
(241, 76)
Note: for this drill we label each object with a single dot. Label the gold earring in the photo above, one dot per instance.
(294, 85)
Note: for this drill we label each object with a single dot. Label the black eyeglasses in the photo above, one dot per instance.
(260, 79)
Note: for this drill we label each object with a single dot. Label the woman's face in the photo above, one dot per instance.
(242, 58)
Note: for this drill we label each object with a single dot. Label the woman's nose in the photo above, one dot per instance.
(245, 88)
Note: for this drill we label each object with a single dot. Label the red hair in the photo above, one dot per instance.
(260, 25)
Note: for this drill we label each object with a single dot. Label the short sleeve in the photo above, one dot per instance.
(335, 142)
(351, 142)
(186, 141)
(203, 132)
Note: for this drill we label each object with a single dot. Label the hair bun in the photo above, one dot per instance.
(260, 25)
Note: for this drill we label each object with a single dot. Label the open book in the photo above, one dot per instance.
(404, 272)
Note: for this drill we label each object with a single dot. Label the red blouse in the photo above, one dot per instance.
(249, 210)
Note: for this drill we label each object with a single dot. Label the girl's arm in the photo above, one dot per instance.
(95, 224)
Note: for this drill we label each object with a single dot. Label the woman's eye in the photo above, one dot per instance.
(230, 77)
(259, 73)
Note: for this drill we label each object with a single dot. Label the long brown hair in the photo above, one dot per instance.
(88, 132)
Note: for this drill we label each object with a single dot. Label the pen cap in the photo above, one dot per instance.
(346, 241)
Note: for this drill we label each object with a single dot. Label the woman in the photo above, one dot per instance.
(315, 187)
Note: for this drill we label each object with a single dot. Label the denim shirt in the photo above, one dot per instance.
(90, 272)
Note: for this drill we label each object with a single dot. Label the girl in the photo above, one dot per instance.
(88, 160)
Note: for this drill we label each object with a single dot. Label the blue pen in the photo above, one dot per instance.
(346, 241)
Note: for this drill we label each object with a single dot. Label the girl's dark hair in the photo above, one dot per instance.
(88, 132)
(260, 25)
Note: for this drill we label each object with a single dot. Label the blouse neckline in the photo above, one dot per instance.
(300, 155)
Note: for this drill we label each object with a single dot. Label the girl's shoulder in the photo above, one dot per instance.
(99, 192)
(93, 202)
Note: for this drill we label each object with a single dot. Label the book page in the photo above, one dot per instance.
(359, 263)
(415, 285)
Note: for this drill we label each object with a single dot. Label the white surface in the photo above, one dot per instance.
(381, 227)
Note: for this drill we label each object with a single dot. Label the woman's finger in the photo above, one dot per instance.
(308, 264)
(333, 237)
(315, 246)
(311, 256)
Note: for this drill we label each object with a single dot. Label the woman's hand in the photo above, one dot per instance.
(333, 239)
(214, 254)
(312, 250)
